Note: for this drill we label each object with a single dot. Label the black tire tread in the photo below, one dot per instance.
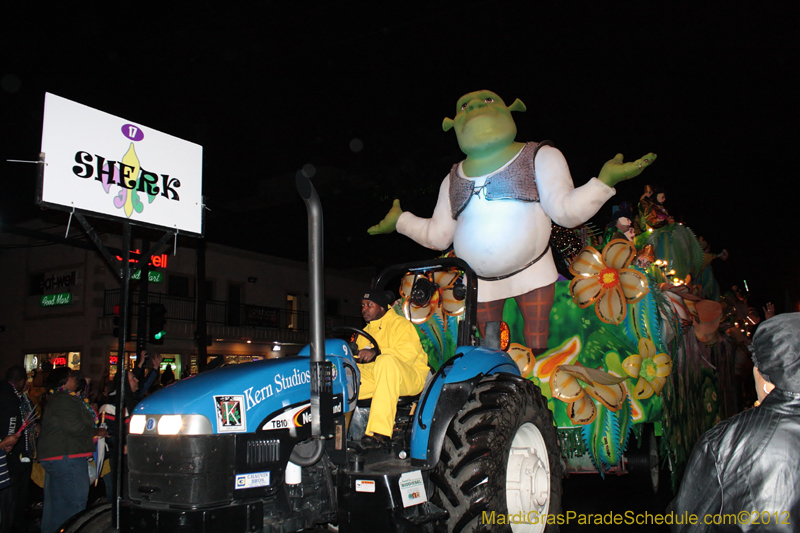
(639, 461)
(476, 448)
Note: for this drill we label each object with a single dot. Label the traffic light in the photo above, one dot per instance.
(158, 321)
(117, 321)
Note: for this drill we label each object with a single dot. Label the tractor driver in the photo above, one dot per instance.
(399, 370)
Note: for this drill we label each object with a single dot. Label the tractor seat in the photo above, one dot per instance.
(401, 402)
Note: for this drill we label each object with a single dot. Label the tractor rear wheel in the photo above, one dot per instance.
(500, 457)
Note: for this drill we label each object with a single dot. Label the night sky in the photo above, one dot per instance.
(354, 94)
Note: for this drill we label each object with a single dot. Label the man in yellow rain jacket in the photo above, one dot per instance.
(399, 370)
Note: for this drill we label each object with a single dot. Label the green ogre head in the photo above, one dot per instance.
(483, 123)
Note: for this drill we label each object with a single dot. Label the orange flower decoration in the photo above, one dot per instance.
(571, 383)
(604, 280)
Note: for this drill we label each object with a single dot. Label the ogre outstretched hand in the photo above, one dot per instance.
(389, 222)
(615, 171)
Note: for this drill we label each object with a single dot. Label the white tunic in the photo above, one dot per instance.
(497, 237)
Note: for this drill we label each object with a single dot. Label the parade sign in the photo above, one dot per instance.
(112, 167)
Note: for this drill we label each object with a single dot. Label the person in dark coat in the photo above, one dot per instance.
(65, 445)
(15, 406)
(109, 419)
(749, 465)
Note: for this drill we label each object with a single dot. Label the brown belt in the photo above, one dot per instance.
(504, 276)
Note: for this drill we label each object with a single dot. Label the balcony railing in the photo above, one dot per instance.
(222, 313)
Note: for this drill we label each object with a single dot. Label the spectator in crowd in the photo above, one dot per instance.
(15, 408)
(751, 462)
(167, 377)
(108, 412)
(102, 394)
(5, 479)
(146, 374)
(84, 387)
(65, 445)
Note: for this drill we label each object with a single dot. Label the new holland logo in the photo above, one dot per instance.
(230, 414)
(151, 424)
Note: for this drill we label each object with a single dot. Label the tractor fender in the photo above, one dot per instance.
(447, 392)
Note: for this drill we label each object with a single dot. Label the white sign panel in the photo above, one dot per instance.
(249, 481)
(114, 167)
(365, 485)
(231, 415)
(412, 488)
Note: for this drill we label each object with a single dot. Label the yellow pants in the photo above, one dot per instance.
(385, 381)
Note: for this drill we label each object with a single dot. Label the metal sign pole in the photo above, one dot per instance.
(122, 369)
(142, 311)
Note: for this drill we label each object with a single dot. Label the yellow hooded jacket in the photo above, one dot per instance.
(400, 369)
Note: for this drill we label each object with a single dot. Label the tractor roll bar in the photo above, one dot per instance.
(468, 329)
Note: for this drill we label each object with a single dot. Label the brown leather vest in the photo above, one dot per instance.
(515, 182)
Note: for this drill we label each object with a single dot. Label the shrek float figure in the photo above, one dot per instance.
(496, 206)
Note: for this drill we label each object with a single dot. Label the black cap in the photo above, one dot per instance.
(383, 298)
(776, 351)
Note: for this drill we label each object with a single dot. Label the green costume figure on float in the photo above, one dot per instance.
(496, 208)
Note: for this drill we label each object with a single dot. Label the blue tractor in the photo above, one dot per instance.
(269, 446)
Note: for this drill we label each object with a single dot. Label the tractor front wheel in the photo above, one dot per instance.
(500, 468)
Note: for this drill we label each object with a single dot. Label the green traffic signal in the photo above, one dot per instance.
(158, 321)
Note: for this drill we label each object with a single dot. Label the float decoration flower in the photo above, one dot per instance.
(604, 280)
(448, 283)
(524, 358)
(650, 367)
(440, 298)
(571, 383)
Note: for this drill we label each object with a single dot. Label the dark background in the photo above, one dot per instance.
(355, 92)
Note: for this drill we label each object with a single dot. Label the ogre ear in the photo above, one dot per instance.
(447, 124)
(517, 106)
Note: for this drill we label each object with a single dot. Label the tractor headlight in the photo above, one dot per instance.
(170, 424)
(153, 425)
(137, 424)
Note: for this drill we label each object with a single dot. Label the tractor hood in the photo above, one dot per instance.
(240, 398)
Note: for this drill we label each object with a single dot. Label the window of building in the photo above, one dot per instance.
(232, 359)
(49, 360)
(209, 289)
(234, 304)
(292, 303)
(173, 361)
(112, 362)
(178, 286)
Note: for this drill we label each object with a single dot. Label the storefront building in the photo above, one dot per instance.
(60, 305)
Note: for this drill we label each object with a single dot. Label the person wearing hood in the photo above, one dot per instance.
(399, 369)
(750, 464)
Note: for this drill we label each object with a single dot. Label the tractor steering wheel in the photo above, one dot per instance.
(351, 329)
